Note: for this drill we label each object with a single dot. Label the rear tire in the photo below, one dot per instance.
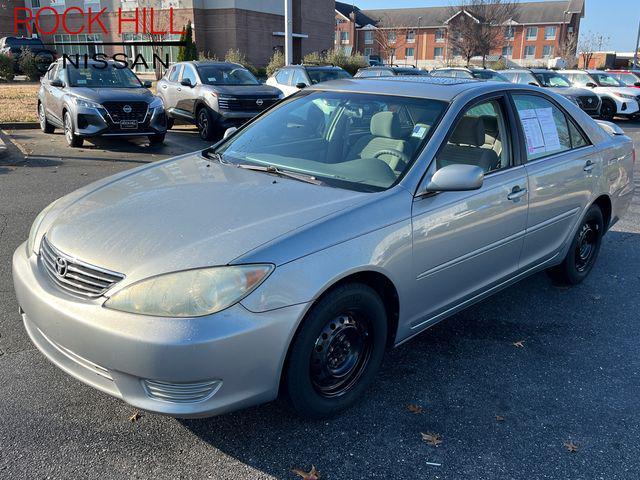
(45, 126)
(583, 251)
(608, 110)
(73, 140)
(337, 351)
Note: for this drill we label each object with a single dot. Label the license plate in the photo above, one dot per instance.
(129, 124)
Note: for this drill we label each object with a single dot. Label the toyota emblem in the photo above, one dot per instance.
(259, 102)
(127, 109)
(61, 267)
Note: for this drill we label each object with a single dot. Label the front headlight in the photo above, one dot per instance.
(35, 226)
(81, 102)
(627, 96)
(156, 103)
(190, 293)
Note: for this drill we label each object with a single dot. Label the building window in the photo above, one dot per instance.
(368, 51)
(507, 51)
(532, 33)
(344, 37)
(391, 37)
(547, 51)
(336, 37)
(530, 51)
(87, 44)
(368, 37)
(437, 52)
(35, 4)
(440, 35)
(550, 33)
(408, 52)
(509, 33)
(56, 3)
(569, 29)
(411, 36)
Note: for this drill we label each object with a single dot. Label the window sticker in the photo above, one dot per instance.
(81, 81)
(419, 131)
(540, 130)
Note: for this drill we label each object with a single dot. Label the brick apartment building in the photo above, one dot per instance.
(255, 27)
(420, 36)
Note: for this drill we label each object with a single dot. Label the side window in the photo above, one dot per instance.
(60, 74)
(175, 73)
(283, 76)
(368, 73)
(545, 126)
(479, 138)
(299, 77)
(51, 74)
(577, 138)
(189, 73)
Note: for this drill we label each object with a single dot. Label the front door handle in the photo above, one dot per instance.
(516, 193)
(589, 166)
(164, 86)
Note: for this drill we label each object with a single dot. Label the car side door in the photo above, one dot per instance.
(560, 163)
(468, 242)
(57, 94)
(168, 88)
(46, 90)
(186, 96)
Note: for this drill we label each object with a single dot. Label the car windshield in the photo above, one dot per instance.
(100, 76)
(552, 79)
(629, 79)
(605, 80)
(317, 75)
(410, 71)
(226, 75)
(488, 75)
(358, 141)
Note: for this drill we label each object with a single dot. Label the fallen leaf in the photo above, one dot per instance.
(518, 344)
(310, 475)
(432, 439)
(571, 447)
(499, 418)
(415, 409)
(135, 417)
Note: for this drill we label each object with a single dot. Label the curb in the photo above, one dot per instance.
(3, 147)
(19, 125)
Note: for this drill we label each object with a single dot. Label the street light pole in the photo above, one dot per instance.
(288, 32)
(418, 45)
(635, 52)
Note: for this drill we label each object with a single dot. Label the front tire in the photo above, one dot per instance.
(156, 139)
(337, 351)
(170, 123)
(45, 126)
(608, 110)
(583, 251)
(73, 140)
(206, 124)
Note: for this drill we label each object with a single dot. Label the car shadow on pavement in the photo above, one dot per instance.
(515, 355)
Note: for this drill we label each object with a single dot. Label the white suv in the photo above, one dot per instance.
(617, 99)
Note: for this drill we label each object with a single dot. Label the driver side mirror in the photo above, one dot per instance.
(147, 84)
(228, 132)
(301, 85)
(56, 82)
(456, 177)
(186, 82)
(533, 83)
(637, 84)
(591, 85)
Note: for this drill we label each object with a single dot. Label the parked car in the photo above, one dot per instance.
(389, 71)
(293, 78)
(99, 99)
(556, 83)
(12, 46)
(464, 72)
(630, 78)
(287, 257)
(213, 95)
(617, 99)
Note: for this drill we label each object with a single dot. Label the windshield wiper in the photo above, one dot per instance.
(283, 173)
(218, 158)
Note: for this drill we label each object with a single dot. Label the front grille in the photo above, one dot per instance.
(181, 392)
(246, 104)
(74, 276)
(137, 112)
(589, 102)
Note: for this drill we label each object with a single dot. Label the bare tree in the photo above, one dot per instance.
(590, 44)
(567, 50)
(476, 26)
(386, 37)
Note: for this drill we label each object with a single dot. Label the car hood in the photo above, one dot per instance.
(102, 95)
(186, 213)
(619, 90)
(246, 90)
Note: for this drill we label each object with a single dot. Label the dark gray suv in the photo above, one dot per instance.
(99, 99)
(213, 95)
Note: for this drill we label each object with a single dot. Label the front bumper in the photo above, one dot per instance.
(94, 122)
(150, 362)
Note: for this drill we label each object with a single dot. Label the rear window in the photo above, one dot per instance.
(27, 42)
(410, 71)
(318, 75)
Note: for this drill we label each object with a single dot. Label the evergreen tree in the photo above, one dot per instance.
(188, 50)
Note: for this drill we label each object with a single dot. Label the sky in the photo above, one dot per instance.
(617, 19)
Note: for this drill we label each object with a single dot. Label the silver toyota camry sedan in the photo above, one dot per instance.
(285, 259)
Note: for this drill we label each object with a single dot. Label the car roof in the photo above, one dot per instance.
(417, 86)
(201, 63)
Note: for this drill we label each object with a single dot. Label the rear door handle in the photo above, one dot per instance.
(589, 166)
(516, 193)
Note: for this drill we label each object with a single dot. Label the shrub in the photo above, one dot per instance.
(234, 55)
(500, 64)
(27, 64)
(204, 56)
(351, 63)
(6, 68)
(188, 51)
(313, 57)
(276, 62)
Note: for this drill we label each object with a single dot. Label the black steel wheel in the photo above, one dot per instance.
(607, 110)
(336, 352)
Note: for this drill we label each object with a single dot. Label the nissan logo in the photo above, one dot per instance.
(61, 267)
(259, 102)
(590, 100)
(127, 109)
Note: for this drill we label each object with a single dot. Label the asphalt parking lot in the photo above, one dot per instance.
(507, 384)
